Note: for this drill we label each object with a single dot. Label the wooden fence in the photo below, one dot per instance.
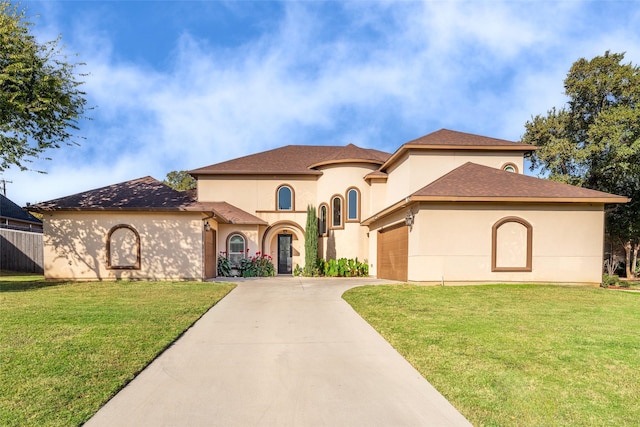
(21, 251)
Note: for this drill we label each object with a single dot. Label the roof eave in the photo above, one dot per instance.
(516, 199)
(502, 199)
(196, 173)
(342, 161)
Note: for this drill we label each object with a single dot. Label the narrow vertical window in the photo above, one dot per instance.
(336, 212)
(236, 250)
(322, 220)
(353, 204)
(285, 198)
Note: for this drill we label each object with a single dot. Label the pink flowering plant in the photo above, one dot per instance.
(260, 265)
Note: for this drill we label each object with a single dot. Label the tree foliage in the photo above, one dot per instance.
(311, 242)
(40, 97)
(594, 141)
(180, 180)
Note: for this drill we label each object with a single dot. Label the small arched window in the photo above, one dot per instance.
(336, 212)
(236, 249)
(285, 198)
(123, 248)
(353, 204)
(322, 220)
(510, 167)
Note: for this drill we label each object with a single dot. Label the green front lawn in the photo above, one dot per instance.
(526, 355)
(66, 348)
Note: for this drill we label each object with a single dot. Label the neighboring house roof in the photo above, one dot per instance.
(476, 183)
(294, 160)
(445, 139)
(10, 210)
(145, 194)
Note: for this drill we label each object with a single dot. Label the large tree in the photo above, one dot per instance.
(40, 97)
(180, 180)
(594, 141)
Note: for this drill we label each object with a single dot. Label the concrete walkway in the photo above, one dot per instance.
(280, 352)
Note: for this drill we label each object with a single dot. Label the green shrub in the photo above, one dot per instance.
(224, 266)
(343, 267)
(608, 280)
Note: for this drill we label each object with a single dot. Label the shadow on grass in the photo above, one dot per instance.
(23, 286)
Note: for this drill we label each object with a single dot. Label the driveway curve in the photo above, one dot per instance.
(281, 351)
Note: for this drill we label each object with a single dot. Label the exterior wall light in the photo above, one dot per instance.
(409, 219)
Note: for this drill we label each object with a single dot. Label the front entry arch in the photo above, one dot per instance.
(284, 242)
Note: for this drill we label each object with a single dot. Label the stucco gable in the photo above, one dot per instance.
(449, 140)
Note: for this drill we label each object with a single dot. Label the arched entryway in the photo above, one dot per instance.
(284, 242)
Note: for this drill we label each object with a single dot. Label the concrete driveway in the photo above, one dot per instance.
(280, 352)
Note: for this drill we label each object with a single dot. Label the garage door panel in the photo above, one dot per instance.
(393, 253)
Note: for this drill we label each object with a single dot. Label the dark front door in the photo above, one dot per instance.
(284, 254)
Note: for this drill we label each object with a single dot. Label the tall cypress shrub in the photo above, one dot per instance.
(311, 242)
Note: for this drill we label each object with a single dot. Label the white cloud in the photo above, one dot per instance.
(371, 73)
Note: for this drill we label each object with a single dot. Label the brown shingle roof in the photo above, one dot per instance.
(142, 193)
(450, 138)
(146, 194)
(473, 181)
(293, 160)
(476, 183)
(230, 214)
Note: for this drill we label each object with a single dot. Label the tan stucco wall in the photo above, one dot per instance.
(256, 193)
(170, 244)
(419, 168)
(453, 243)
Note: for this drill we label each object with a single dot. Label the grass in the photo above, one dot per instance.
(66, 348)
(518, 355)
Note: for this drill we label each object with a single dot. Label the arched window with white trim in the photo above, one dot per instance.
(236, 249)
(353, 205)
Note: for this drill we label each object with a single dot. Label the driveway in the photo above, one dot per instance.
(280, 352)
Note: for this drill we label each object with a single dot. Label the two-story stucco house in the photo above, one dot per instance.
(449, 206)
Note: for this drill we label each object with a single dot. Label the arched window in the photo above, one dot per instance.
(511, 245)
(510, 167)
(322, 219)
(123, 248)
(336, 212)
(353, 204)
(236, 248)
(285, 198)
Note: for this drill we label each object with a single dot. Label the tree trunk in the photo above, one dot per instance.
(628, 247)
(634, 260)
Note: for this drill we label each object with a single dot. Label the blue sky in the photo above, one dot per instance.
(181, 85)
